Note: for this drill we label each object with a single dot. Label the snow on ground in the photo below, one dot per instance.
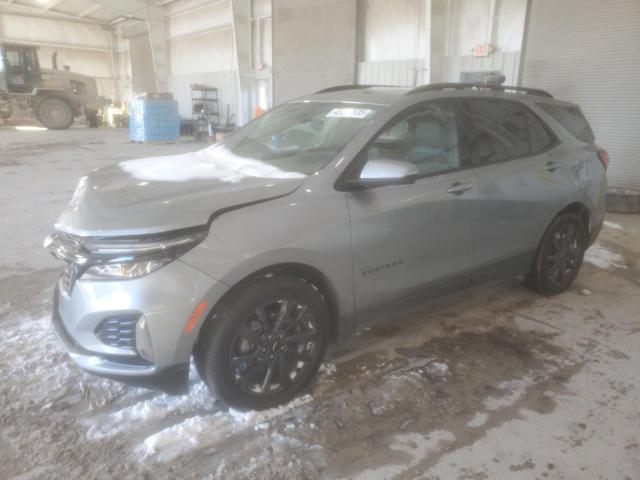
(328, 369)
(613, 225)
(210, 430)
(513, 390)
(146, 412)
(478, 420)
(604, 258)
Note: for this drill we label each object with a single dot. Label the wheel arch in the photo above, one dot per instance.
(305, 272)
(577, 208)
(581, 210)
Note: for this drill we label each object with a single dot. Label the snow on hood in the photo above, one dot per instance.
(211, 163)
(159, 194)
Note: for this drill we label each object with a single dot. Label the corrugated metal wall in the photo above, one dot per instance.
(404, 73)
(586, 51)
(314, 46)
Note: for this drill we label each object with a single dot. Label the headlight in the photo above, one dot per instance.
(102, 258)
(124, 270)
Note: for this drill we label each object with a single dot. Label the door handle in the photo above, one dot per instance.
(458, 188)
(551, 167)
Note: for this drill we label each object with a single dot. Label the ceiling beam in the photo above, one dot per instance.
(20, 10)
(89, 10)
(140, 9)
(52, 4)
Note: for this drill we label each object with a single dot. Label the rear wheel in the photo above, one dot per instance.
(264, 343)
(54, 113)
(559, 255)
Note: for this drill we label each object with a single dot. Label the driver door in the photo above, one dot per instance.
(413, 243)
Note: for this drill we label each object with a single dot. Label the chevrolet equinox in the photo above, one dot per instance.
(328, 213)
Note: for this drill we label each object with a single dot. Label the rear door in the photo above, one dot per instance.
(521, 179)
(413, 242)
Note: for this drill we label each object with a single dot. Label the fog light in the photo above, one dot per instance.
(118, 331)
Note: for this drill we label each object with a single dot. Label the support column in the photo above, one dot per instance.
(158, 44)
(241, 23)
(427, 7)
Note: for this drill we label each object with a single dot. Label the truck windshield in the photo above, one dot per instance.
(301, 136)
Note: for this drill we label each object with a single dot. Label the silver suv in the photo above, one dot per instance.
(326, 214)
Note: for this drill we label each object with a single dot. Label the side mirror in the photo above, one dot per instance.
(382, 172)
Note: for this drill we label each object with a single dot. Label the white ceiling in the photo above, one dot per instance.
(104, 12)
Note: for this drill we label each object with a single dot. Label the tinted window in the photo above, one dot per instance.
(427, 137)
(14, 59)
(495, 131)
(31, 61)
(539, 136)
(572, 119)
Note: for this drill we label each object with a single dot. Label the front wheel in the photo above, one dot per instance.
(54, 113)
(559, 255)
(264, 343)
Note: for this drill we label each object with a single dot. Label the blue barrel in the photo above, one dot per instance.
(153, 120)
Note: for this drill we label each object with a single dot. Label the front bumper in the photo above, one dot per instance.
(163, 301)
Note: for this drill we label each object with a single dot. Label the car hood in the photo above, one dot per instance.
(159, 194)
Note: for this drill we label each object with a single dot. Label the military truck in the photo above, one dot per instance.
(54, 97)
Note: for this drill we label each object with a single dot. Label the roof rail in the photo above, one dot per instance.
(480, 86)
(338, 88)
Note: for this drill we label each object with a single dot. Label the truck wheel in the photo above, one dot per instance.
(54, 113)
(264, 344)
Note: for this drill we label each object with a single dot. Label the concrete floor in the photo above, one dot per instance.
(498, 383)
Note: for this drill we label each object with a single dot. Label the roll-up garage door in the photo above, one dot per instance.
(588, 52)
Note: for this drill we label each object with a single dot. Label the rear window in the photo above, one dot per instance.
(572, 119)
(502, 130)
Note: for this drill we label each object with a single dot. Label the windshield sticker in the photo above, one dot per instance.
(349, 113)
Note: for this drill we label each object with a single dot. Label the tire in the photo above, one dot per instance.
(250, 350)
(559, 255)
(54, 113)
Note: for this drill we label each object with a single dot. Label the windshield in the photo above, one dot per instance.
(301, 136)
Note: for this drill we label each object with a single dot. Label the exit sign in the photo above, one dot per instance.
(483, 50)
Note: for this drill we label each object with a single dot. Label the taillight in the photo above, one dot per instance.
(604, 158)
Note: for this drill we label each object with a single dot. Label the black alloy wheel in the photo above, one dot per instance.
(264, 342)
(274, 346)
(559, 255)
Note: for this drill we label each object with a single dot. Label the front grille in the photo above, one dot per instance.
(118, 331)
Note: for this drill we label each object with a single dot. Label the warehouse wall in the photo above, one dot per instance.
(201, 51)
(472, 24)
(143, 78)
(314, 46)
(388, 52)
(391, 30)
(585, 51)
(84, 47)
